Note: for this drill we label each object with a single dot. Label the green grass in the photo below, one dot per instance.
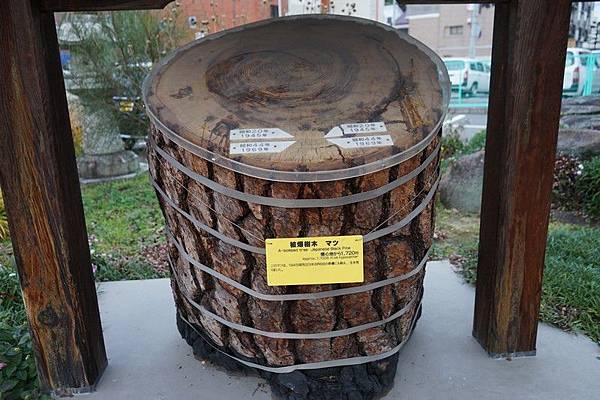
(571, 290)
(454, 231)
(125, 230)
(571, 285)
(124, 224)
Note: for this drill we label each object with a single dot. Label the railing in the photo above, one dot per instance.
(581, 78)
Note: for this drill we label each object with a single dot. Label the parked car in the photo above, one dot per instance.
(595, 67)
(468, 76)
(576, 70)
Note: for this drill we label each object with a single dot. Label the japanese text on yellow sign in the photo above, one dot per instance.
(314, 260)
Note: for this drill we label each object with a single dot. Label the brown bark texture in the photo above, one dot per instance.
(389, 256)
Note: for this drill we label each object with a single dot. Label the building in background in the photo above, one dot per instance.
(394, 14)
(208, 16)
(594, 36)
(445, 28)
(453, 30)
(369, 9)
(448, 29)
(580, 28)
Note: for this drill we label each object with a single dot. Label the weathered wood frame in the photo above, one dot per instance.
(39, 180)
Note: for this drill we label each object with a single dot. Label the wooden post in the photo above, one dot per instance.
(43, 201)
(528, 58)
(101, 5)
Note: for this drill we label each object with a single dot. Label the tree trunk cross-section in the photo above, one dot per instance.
(307, 77)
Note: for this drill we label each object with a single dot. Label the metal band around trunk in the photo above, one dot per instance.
(259, 250)
(204, 227)
(289, 335)
(316, 365)
(294, 203)
(406, 220)
(296, 296)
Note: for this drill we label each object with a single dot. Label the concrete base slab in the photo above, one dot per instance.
(148, 360)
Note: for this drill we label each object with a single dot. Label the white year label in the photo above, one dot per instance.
(259, 147)
(260, 133)
(363, 127)
(359, 142)
(356, 129)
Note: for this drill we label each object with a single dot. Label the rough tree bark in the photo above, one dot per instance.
(309, 84)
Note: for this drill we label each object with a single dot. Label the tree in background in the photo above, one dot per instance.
(111, 54)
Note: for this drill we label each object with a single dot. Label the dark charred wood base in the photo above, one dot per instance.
(357, 382)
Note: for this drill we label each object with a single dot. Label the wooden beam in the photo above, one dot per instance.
(458, 1)
(39, 179)
(528, 59)
(113, 5)
(108, 5)
(472, 1)
(102, 5)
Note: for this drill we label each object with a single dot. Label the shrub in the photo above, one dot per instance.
(3, 220)
(566, 171)
(588, 186)
(476, 143)
(452, 145)
(18, 375)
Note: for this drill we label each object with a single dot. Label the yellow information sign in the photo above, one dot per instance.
(314, 260)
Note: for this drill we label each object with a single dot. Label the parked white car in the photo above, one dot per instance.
(468, 76)
(576, 70)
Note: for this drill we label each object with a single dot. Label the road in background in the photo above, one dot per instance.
(465, 123)
(467, 115)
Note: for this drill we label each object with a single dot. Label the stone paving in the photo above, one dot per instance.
(148, 360)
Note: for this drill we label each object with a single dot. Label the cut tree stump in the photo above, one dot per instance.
(298, 127)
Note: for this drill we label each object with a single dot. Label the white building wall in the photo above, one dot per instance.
(369, 9)
(447, 29)
(392, 14)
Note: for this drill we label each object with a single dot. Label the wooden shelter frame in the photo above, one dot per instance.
(38, 176)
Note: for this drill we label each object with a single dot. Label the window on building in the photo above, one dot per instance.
(570, 59)
(584, 57)
(274, 11)
(454, 65)
(454, 30)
